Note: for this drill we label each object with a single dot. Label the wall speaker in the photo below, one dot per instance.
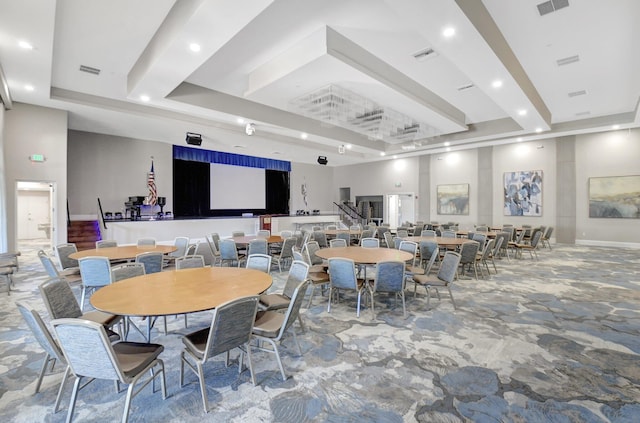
(322, 160)
(194, 139)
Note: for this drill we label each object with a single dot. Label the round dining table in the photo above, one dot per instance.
(179, 291)
(441, 240)
(363, 255)
(334, 232)
(123, 252)
(243, 240)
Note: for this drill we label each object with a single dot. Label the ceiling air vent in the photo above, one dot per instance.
(466, 87)
(551, 6)
(585, 113)
(567, 60)
(577, 93)
(425, 54)
(89, 69)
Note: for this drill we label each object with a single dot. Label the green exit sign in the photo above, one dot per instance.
(37, 158)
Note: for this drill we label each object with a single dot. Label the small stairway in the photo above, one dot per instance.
(84, 233)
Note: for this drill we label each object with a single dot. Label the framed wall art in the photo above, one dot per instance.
(523, 193)
(615, 197)
(453, 199)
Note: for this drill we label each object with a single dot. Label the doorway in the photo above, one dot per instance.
(400, 209)
(35, 215)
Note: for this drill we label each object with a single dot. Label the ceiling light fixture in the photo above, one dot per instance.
(538, 130)
(615, 127)
(25, 45)
(240, 120)
(348, 146)
(250, 129)
(194, 47)
(447, 144)
(448, 149)
(449, 32)
(304, 136)
(145, 98)
(519, 139)
(382, 153)
(496, 84)
(522, 112)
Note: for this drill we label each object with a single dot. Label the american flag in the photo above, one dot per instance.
(151, 183)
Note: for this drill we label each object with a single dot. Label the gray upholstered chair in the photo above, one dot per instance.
(468, 253)
(321, 238)
(66, 263)
(483, 257)
(531, 247)
(263, 233)
(213, 246)
(317, 274)
(189, 262)
(61, 303)
(445, 277)
(388, 239)
(430, 252)
(369, 242)
(271, 326)
(337, 242)
(342, 276)
(152, 261)
(203, 248)
(389, 278)
(428, 232)
(230, 328)
(229, 253)
(70, 275)
(258, 246)
(106, 243)
(547, 237)
(261, 262)
(90, 354)
(96, 273)
(311, 248)
(286, 253)
(48, 344)
(126, 271)
(146, 242)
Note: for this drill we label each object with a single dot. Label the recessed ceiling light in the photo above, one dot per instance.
(538, 130)
(522, 112)
(449, 32)
(29, 87)
(447, 144)
(615, 127)
(496, 84)
(382, 153)
(145, 98)
(395, 157)
(519, 139)
(448, 149)
(348, 146)
(194, 47)
(304, 136)
(240, 120)
(25, 45)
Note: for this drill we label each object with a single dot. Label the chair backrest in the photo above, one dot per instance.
(48, 265)
(382, 230)
(263, 233)
(59, 299)
(342, 273)
(87, 348)
(40, 331)
(260, 262)
(396, 242)
(511, 231)
(344, 235)
(258, 246)
(367, 233)
(332, 227)
(237, 233)
(521, 236)
(355, 227)
(431, 260)
(287, 247)
(286, 234)
(215, 238)
(95, 271)
(536, 238)
(152, 261)
(321, 238)
(449, 266)
(291, 315)
(311, 247)
(189, 262)
(106, 243)
(337, 242)
(409, 247)
(428, 232)
(468, 252)
(388, 239)
(315, 228)
(298, 272)
(500, 238)
(426, 248)
(548, 233)
(482, 228)
(369, 242)
(480, 238)
(147, 242)
(126, 271)
(231, 326)
(297, 255)
(402, 233)
(228, 249)
(488, 249)
(505, 237)
(182, 244)
(63, 251)
(214, 246)
(389, 276)
(203, 249)
(448, 234)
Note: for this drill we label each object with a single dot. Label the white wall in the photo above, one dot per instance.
(36, 130)
(457, 167)
(3, 187)
(319, 189)
(521, 157)
(113, 168)
(615, 153)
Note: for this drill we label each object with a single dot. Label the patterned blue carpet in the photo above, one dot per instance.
(556, 340)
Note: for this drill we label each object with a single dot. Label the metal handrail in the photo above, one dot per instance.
(101, 215)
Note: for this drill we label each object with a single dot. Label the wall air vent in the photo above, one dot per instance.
(89, 69)
(551, 6)
(567, 60)
(425, 54)
(585, 113)
(465, 87)
(577, 93)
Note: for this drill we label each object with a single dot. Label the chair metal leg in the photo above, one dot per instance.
(452, 300)
(56, 407)
(203, 387)
(74, 396)
(43, 370)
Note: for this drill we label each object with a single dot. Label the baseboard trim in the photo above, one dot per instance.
(595, 243)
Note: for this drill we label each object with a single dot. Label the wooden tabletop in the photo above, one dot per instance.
(273, 239)
(442, 241)
(364, 255)
(342, 231)
(123, 252)
(488, 234)
(179, 291)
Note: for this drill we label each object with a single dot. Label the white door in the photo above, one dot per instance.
(400, 209)
(34, 211)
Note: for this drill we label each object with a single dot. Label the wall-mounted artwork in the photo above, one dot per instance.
(523, 193)
(453, 199)
(615, 197)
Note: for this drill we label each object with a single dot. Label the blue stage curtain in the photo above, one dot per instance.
(208, 156)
